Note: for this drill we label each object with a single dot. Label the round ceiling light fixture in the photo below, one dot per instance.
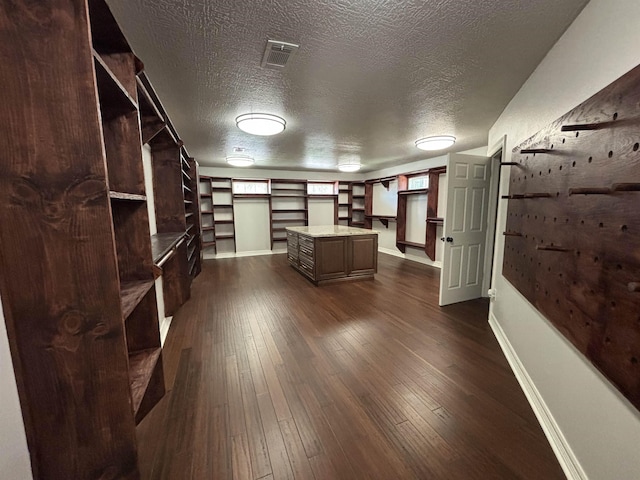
(435, 143)
(349, 166)
(263, 124)
(240, 160)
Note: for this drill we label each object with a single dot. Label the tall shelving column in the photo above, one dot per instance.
(223, 214)
(357, 204)
(78, 296)
(345, 205)
(191, 180)
(289, 207)
(207, 226)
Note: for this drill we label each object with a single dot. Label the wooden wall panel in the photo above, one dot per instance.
(573, 229)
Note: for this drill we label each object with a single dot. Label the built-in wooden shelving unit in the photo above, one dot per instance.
(288, 207)
(80, 309)
(217, 213)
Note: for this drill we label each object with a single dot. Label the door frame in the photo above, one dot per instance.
(496, 153)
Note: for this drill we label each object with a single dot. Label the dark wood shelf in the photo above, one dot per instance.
(184, 187)
(114, 98)
(357, 223)
(162, 243)
(411, 244)
(223, 222)
(206, 195)
(279, 239)
(332, 195)
(417, 191)
(249, 195)
(225, 237)
(209, 212)
(131, 293)
(142, 364)
(279, 230)
(436, 220)
(288, 196)
(188, 202)
(358, 209)
(208, 244)
(208, 229)
(288, 189)
(290, 210)
(344, 205)
(151, 119)
(187, 215)
(190, 227)
(220, 189)
(127, 197)
(192, 264)
(344, 218)
(225, 205)
(358, 196)
(288, 220)
(381, 217)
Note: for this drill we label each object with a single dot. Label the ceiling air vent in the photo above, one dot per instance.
(277, 54)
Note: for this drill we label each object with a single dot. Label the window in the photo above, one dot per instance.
(417, 183)
(250, 187)
(321, 188)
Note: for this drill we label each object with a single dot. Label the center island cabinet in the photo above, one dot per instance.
(333, 252)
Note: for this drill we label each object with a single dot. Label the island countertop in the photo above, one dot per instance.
(331, 231)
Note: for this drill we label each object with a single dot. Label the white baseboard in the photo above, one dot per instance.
(213, 256)
(567, 459)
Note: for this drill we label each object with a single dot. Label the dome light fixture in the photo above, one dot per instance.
(240, 160)
(263, 124)
(349, 166)
(435, 143)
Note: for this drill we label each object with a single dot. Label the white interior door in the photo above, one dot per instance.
(465, 228)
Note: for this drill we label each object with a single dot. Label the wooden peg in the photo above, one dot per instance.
(552, 248)
(590, 191)
(512, 234)
(626, 187)
(507, 164)
(634, 286)
(537, 195)
(535, 150)
(585, 126)
(515, 196)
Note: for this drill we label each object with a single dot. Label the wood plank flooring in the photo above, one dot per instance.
(270, 377)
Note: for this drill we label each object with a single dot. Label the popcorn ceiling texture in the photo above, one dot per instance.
(370, 77)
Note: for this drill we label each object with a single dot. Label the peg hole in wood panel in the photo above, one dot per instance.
(578, 253)
(619, 267)
(540, 173)
(590, 159)
(573, 164)
(560, 167)
(634, 360)
(587, 324)
(610, 154)
(552, 146)
(613, 305)
(636, 146)
(549, 170)
(557, 194)
(571, 311)
(607, 340)
(563, 140)
(555, 219)
(624, 228)
(596, 259)
(581, 222)
(601, 225)
(615, 116)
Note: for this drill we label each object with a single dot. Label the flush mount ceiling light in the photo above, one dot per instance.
(349, 167)
(240, 160)
(435, 143)
(261, 123)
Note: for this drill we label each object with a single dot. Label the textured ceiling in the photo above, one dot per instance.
(370, 77)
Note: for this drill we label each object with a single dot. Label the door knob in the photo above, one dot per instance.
(448, 239)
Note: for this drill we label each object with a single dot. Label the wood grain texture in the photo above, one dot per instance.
(270, 376)
(58, 269)
(579, 247)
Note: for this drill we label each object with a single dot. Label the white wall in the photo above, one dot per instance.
(251, 220)
(165, 322)
(321, 211)
(600, 426)
(14, 455)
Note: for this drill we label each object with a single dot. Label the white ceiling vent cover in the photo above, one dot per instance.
(277, 54)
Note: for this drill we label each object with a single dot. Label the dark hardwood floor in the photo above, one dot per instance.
(270, 377)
